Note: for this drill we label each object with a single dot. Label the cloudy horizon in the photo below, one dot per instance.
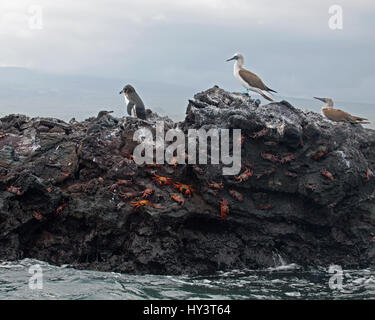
(185, 43)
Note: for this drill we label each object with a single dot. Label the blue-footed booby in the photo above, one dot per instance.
(248, 79)
(338, 115)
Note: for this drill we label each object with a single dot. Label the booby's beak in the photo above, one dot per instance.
(231, 58)
(321, 99)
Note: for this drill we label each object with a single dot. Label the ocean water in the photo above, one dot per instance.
(288, 281)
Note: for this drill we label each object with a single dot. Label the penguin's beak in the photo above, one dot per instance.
(122, 91)
(321, 99)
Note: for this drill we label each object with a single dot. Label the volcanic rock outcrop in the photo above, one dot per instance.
(305, 194)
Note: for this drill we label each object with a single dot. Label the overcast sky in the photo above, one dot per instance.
(287, 43)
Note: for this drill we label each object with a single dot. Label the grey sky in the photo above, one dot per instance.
(288, 43)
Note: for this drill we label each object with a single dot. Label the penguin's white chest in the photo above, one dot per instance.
(133, 113)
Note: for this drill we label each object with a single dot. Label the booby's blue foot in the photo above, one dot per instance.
(245, 92)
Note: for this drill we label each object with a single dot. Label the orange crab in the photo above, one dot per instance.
(319, 155)
(147, 193)
(287, 158)
(144, 203)
(61, 208)
(186, 189)
(327, 174)
(38, 215)
(141, 203)
(16, 190)
(178, 198)
(236, 195)
(162, 181)
(260, 133)
(224, 208)
(119, 182)
(269, 157)
(216, 185)
(127, 195)
(244, 176)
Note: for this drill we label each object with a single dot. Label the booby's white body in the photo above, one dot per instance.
(250, 81)
(236, 72)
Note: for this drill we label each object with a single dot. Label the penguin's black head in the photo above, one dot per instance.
(127, 89)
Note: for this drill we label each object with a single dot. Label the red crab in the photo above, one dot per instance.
(319, 155)
(236, 195)
(119, 182)
(38, 215)
(61, 208)
(161, 180)
(216, 185)
(269, 157)
(147, 192)
(224, 208)
(327, 174)
(186, 189)
(244, 176)
(260, 133)
(16, 190)
(369, 174)
(178, 198)
(287, 158)
(143, 203)
(127, 195)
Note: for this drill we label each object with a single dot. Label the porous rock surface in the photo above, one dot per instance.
(59, 201)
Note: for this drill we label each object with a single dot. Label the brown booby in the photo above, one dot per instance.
(248, 79)
(338, 115)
